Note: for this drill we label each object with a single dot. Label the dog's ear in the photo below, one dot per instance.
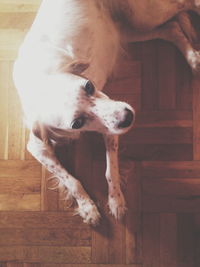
(40, 131)
(77, 67)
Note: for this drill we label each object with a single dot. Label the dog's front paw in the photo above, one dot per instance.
(117, 205)
(194, 61)
(89, 212)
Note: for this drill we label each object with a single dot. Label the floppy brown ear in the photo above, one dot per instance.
(77, 67)
(40, 131)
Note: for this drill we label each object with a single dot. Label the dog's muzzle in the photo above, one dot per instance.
(128, 119)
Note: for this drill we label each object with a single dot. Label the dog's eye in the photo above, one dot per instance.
(78, 123)
(89, 88)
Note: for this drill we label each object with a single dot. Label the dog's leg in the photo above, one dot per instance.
(171, 32)
(185, 23)
(116, 200)
(45, 154)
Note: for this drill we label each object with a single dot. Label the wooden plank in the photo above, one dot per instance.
(34, 220)
(168, 240)
(132, 181)
(44, 254)
(19, 168)
(166, 76)
(22, 202)
(100, 244)
(16, 20)
(153, 152)
(131, 84)
(196, 116)
(151, 240)
(108, 243)
(166, 118)
(4, 86)
(19, 5)
(126, 79)
(186, 240)
(20, 177)
(16, 128)
(165, 135)
(171, 195)
(149, 76)
(34, 265)
(150, 152)
(110, 233)
(134, 242)
(196, 217)
(14, 264)
(11, 40)
(93, 265)
(46, 237)
(170, 169)
(116, 245)
(19, 185)
(128, 69)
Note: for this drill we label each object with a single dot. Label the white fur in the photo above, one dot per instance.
(71, 42)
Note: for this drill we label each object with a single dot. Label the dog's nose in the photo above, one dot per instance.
(129, 117)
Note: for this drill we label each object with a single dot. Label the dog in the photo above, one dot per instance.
(70, 52)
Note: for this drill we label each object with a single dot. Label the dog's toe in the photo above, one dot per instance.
(194, 61)
(196, 69)
(89, 212)
(117, 206)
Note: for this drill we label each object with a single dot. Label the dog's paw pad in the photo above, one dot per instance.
(117, 206)
(89, 212)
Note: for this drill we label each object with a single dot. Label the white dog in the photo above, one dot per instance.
(66, 59)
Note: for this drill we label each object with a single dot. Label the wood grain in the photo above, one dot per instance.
(46, 254)
(167, 83)
(186, 240)
(151, 240)
(196, 114)
(34, 220)
(149, 76)
(4, 74)
(168, 240)
(110, 234)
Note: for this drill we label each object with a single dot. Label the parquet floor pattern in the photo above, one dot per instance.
(159, 158)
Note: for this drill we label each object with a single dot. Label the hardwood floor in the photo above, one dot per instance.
(159, 158)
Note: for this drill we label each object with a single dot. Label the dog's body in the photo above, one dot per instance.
(64, 63)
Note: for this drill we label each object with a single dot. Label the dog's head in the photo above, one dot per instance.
(73, 103)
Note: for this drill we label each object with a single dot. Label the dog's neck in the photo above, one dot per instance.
(65, 57)
(66, 31)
